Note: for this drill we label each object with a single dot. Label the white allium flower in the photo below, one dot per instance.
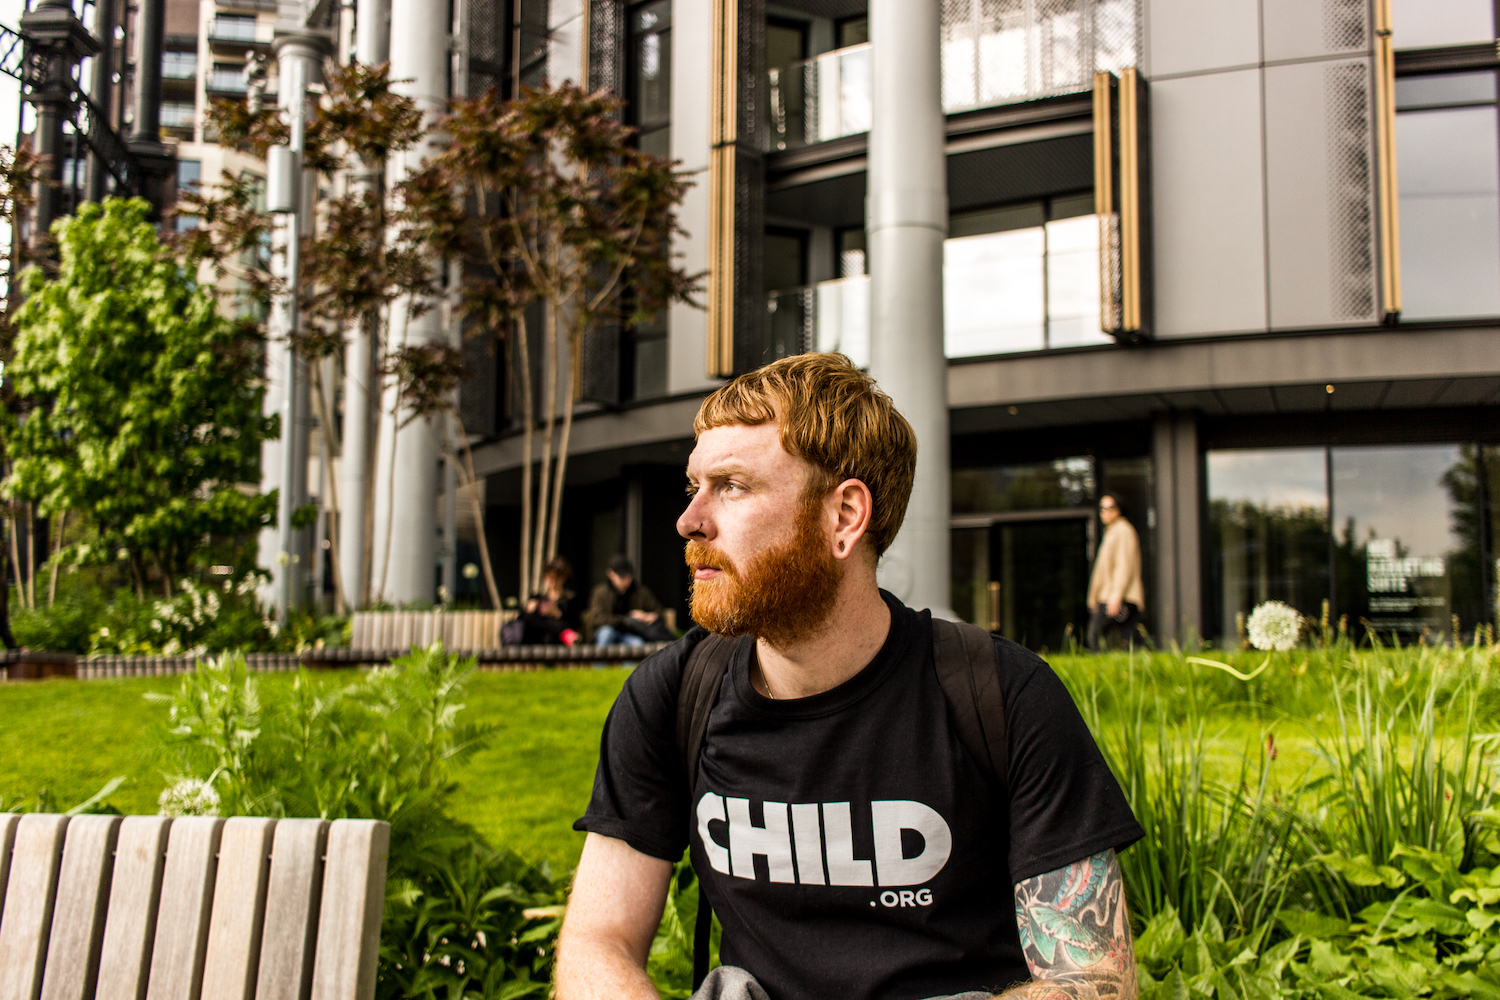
(189, 797)
(1274, 625)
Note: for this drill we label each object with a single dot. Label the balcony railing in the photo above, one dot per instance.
(227, 81)
(238, 30)
(1023, 289)
(993, 52)
(820, 98)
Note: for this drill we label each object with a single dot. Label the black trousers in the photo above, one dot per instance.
(1106, 632)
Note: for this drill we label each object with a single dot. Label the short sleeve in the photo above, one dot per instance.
(1065, 802)
(640, 791)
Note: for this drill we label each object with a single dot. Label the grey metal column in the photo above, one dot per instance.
(405, 553)
(102, 87)
(299, 61)
(151, 28)
(907, 221)
(372, 31)
(156, 158)
(372, 46)
(55, 42)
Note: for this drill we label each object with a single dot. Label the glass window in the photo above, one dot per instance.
(785, 260)
(650, 369)
(1448, 169)
(177, 114)
(1066, 482)
(1022, 278)
(851, 250)
(1397, 515)
(179, 65)
(234, 27)
(650, 83)
(1445, 90)
(853, 31)
(1420, 23)
(1268, 533)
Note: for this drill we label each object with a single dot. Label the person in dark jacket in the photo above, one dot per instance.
(551, 615)
(623, 611)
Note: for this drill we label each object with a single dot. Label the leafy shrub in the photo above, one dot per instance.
(461, 918)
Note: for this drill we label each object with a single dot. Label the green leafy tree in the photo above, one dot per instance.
(140, 403)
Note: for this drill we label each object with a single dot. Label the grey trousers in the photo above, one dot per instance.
(729, 982)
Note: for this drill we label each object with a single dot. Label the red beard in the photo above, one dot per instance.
(781, 595)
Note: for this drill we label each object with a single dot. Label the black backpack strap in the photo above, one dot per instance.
(702, 676)
(968, 668)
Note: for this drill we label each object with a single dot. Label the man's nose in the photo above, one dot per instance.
(692, 523)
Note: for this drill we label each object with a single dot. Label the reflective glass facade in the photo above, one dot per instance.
(1398, 538)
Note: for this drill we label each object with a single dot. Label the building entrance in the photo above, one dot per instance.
(1025, 574)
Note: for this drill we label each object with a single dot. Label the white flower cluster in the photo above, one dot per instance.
(1274, 625)
(189, 797)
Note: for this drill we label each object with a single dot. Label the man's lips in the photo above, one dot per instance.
(702, 571)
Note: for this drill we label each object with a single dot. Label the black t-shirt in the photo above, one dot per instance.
(849, 844)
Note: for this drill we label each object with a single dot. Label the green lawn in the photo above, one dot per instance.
(70, 737)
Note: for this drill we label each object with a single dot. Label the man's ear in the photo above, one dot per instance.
(852, 507)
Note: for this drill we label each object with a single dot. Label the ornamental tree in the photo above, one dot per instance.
(549, 203)
(140, 404)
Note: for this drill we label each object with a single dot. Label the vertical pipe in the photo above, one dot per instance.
(907, 221)
(103, 83)
(151, 26)
(372, 46)
(405, 550)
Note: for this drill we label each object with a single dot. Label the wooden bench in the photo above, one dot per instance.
(151, 908)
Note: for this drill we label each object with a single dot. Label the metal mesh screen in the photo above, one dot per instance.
(1002, 51)
(478, 402)
(599, 367)
(1345, 25)
(1351, 207)
(488, 44)
(607, 46)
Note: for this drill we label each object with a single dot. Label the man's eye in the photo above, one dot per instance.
(691, 490)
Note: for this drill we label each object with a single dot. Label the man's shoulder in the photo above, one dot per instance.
(663, 669)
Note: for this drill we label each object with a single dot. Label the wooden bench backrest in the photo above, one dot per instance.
(458, 630)
(199, 908)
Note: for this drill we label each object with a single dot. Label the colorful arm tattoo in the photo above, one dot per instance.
(1076, 934)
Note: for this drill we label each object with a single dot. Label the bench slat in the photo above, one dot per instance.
(234, 930)
(292, 901)
(130, 927)
(27, 919)
(353, 899)
(187, 888)
(88, 861)
(8, 824)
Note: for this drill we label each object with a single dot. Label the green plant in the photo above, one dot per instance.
(142, 404)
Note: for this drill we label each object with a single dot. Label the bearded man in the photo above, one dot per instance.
(848, 842)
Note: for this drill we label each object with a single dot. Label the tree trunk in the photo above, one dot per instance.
(330, 487)
(469, 480)
(5, 633)
(575, 345)
(539, 554)
(62, 523)
(372, 464)
(30, 556)
(528, 424)
(15, 557)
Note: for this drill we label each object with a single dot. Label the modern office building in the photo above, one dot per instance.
(1237, 263)
(1285, 360)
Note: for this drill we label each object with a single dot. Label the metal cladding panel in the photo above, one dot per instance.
(1320, 199)
(1190, 36)
(1302, 29)
(488, 45)
(478, 406)
(1208, 219)
(607, 45)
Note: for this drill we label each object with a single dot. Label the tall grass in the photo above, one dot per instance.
(1322, 857)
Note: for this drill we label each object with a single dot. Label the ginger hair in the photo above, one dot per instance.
(836, 418)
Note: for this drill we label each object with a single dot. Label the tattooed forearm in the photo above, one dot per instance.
(1076, 934)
